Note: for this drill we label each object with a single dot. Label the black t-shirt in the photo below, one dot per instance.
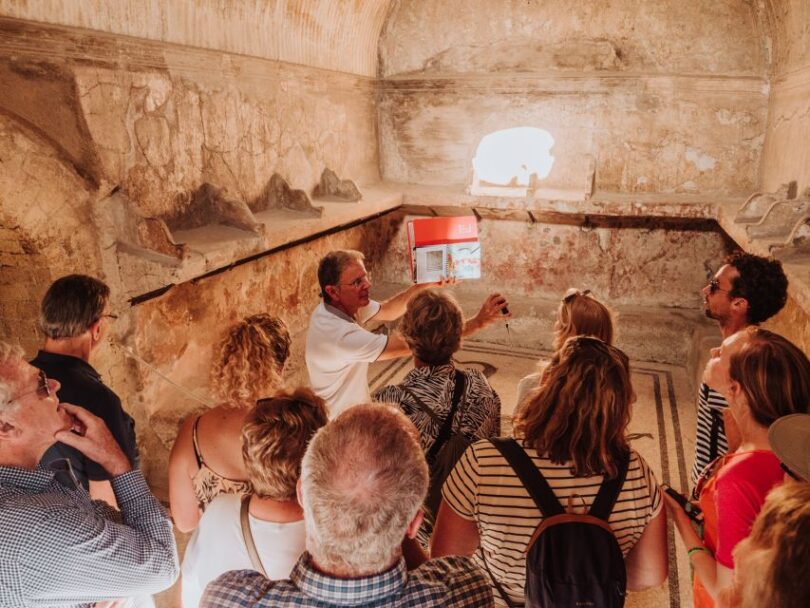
(81, 385)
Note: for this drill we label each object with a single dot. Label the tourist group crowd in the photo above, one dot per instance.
(414, 496)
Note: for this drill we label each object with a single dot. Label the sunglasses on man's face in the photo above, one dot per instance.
(714, 286)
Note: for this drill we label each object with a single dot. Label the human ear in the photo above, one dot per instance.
(299, 493)
(332, 292)
(7, 430)
(416, 522)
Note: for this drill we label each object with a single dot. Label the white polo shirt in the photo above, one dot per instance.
(338, 352)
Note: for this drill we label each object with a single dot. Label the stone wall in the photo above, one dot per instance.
(655, 97)
(786, 155)
(84, 114)
(645, 267)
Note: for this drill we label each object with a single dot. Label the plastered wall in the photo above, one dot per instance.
(640, 97)
(786, 155)
(85, 113)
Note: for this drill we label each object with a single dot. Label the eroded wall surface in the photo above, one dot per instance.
(644, 267)
(786, 155)
(83, 114)
(640, 97)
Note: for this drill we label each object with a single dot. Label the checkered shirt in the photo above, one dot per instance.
(60, 548)
(451, 582)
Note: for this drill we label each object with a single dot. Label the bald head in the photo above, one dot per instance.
(363, 479)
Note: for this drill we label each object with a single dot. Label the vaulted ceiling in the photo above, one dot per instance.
(344, 35)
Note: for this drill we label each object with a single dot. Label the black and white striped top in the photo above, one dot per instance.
(478, 414)
(709, 414)
(484, 488)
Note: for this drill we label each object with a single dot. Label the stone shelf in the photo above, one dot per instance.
(551, 203)
(215, 247)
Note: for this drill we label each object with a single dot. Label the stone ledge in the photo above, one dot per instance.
(214, 248)
(663, 210)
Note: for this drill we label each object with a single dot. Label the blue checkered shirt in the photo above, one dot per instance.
(452, 582)
(59, 548)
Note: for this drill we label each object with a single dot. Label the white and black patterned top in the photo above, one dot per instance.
(711, 433)
(478, 414)
(59, 548)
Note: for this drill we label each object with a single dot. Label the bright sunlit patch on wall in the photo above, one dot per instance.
(510, 162)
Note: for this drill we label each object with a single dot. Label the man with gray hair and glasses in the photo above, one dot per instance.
(363, 481)
(339, 348)
(58, 547)
(75, 316)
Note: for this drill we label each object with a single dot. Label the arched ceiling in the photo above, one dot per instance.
(339, 35)
(344, 35)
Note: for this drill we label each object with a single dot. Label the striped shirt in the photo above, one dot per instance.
(484, 488)
(709, 414)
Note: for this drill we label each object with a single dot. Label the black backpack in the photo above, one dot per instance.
(448, 446)
(572, 560)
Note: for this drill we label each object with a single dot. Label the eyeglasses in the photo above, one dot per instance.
(43, 389)
(108, 316)
(358, 282)
(714, 286)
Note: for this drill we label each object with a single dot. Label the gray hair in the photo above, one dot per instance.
(10, 357)
(364, 477)
(71, 305)
(332, 266)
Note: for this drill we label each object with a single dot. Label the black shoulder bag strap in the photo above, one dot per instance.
(460, 381)
(421, 404)
(610, 489)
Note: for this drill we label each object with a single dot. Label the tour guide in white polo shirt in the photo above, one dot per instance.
(339, 349)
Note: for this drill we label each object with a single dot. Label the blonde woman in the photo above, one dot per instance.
(579, 314)
(206, 459)
(274, 439)
(772, 562)
(574, 430)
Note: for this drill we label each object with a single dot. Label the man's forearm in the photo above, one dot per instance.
(152, 530)
(394, 307)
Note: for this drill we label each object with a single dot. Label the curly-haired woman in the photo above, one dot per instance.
(206, 459)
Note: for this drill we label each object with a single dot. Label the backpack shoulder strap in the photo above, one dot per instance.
(610, 490)
(459, 382)
(531, 478)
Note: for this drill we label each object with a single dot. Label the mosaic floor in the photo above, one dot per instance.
(663, 415)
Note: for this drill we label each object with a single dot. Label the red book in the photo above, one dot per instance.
(444, 246)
